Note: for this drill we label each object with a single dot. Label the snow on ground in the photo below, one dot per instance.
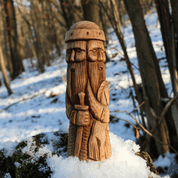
(167, 162)
(122, 160)
(31, 110)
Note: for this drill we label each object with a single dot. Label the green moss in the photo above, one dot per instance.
(1, 154)
(64, 139)
(6, 165)
(29, 168)
(2, 169)
(18, 156)
(21, 145)
(37, 139)
(62, 143)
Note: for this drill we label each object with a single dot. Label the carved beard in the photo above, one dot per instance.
(96, 74)
(78, 74)
(77, 78)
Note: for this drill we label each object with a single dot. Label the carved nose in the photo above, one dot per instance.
(100, 55)
(72, 56)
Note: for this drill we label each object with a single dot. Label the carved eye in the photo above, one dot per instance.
(78, 50)
(101, 50)
(68, 51)
(94, 52)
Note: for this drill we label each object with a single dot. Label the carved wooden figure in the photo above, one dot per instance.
(87, 93)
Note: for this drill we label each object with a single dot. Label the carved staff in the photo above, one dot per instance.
(79, 133)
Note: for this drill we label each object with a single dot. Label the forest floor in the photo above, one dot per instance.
(38, 101)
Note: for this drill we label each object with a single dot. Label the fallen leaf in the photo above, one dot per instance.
(136, 132)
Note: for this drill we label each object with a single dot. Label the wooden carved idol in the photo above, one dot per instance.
(87, 94)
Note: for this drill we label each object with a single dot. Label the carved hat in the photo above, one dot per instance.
(84, 30)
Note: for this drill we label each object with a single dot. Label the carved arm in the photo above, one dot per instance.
(100, 111)
(77, 114)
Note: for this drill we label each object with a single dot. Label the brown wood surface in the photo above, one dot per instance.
(87, 94)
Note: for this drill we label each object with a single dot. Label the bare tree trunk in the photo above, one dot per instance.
(120, 12)
(12, 37)
(168, 34)
(174, 5)
(91, 11)
(53, 31)
(104, 25)
(3, 69)
(36, 53)
(34, 15)
(23, 42)
(117, 28)
(72, 11)
(149, 70)
(168, 38)
(67, 16)
(4, 42)
(43, 34)
(77, 10)
(33, 45)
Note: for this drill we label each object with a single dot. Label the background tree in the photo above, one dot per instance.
(3, 69)
(12, 37)
(169, 30)
(35, 17)
(116, 24)
(174, 6)
(91, 11)
(168, 34)
(4, 41)
(104, 21)
(72, 11)
(52, 30)
(153, 85)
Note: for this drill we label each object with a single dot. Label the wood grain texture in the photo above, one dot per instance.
(87, 94)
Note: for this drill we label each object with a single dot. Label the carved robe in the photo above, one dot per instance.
(95, 143)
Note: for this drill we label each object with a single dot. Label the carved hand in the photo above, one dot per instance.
(83, 118)
(100, 111)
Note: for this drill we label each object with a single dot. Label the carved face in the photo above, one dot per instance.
(96, 51)
(76, 51)
(85, 61)
(96, 67)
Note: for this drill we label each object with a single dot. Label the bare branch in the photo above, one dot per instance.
(149, 133)
(122, 120)
(62, 24)
(138, 106)
(160, 119)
